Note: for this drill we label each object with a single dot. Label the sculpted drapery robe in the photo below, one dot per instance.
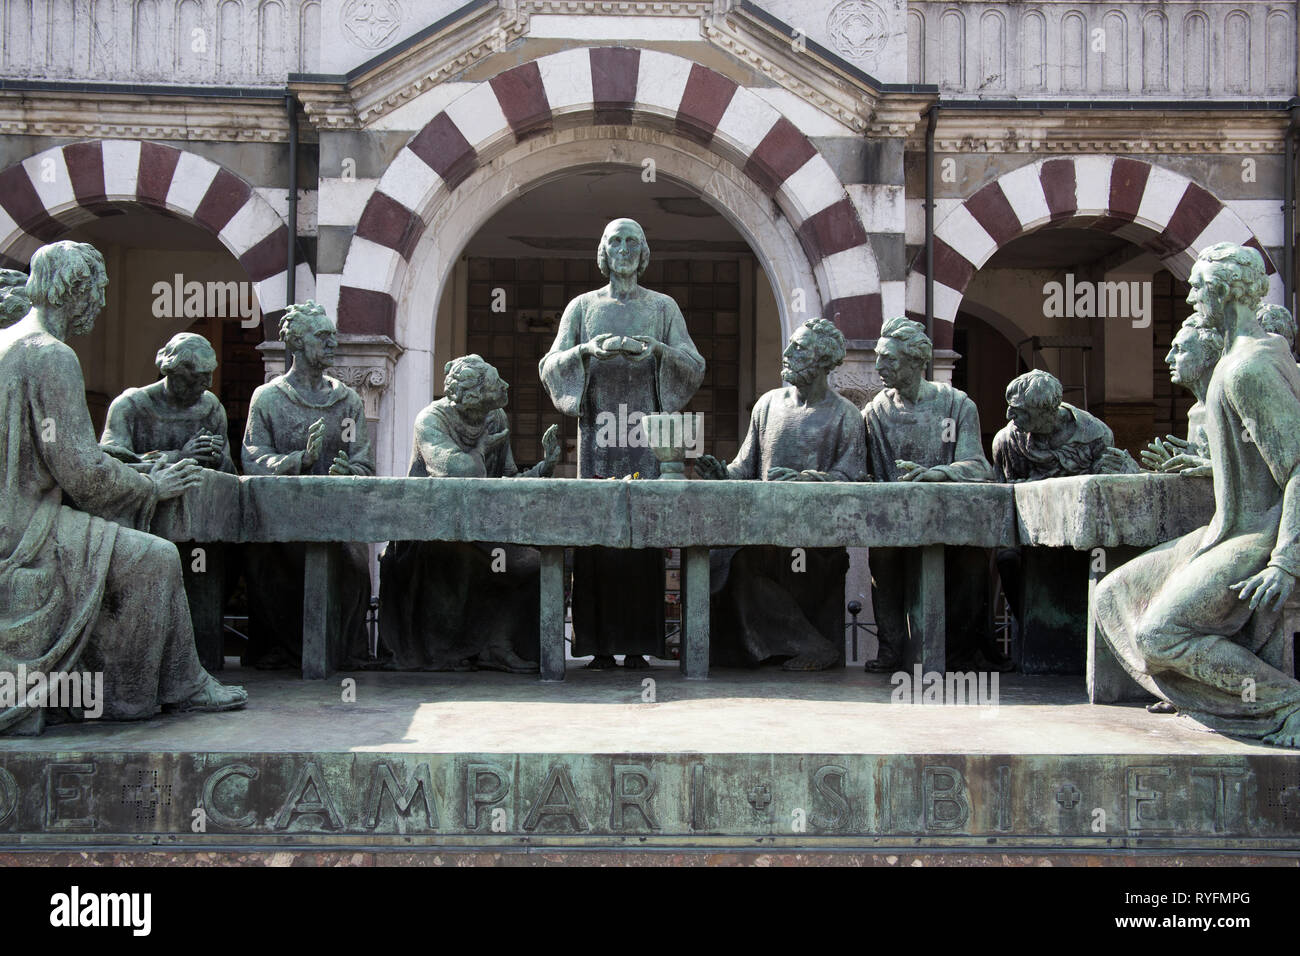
(442, 604)
(1169, 614)
(940, 430)
(275, 437)
(899, 430)
(1074, 449)
(761, 607)
(826, 436)
(618, 596)
(78, 591)
(140, 420)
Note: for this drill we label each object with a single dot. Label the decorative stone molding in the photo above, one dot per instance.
(125, 116)
(464, 45)
(1107, 131)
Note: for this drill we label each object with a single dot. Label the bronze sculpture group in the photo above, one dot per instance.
(1194, 620)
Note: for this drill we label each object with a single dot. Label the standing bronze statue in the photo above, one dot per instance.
(305, 422)
(768, 603)
(1197, 621)
(919, 430)
(78, 589)
(621, 348)
(453, 605)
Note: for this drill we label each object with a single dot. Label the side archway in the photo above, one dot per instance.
(45, 195)
(1162, 211)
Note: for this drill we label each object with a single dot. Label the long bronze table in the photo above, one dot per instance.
(554, 513)
(1115, 517)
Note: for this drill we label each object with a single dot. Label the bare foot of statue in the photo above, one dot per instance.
(813, 659)
(882, 665)
(212, 696)
(1288, 735)
(635, 662)
(1161, 707)
(602, 662)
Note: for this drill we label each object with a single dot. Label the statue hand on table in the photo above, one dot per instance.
(778, 473)
(911, 471)
(172, 481)
(1158, 452)
(341, 465)
(204, 447)
(1116, 461)
(710, 468)
(1271, 584)
(1191, 466)
(315, 439)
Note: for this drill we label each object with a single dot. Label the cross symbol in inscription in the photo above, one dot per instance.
(147, 797)
(1290, 797)
(760, 797)
(1068, 796)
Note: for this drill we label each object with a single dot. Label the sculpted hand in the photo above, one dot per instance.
(598, 346)
(782, 474)
(172, 481)
(1271, 584)
(341, 465)
(1189, 465)
(811, 474)
(551, 445)
(710, 468)
(1115, 462)
(652, 348)
(315, 439)
(911, 471)
(1156, 454)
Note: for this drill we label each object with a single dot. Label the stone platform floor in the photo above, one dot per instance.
(736, 711)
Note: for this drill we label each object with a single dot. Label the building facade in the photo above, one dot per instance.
(437, 175)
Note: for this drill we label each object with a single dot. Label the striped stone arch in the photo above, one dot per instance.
(610, 85)
(45, 195)
(1153, 207)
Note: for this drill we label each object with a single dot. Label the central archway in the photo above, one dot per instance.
(697, 111)
(535, 162)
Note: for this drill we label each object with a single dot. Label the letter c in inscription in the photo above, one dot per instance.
(8, 795)
(210, 789)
